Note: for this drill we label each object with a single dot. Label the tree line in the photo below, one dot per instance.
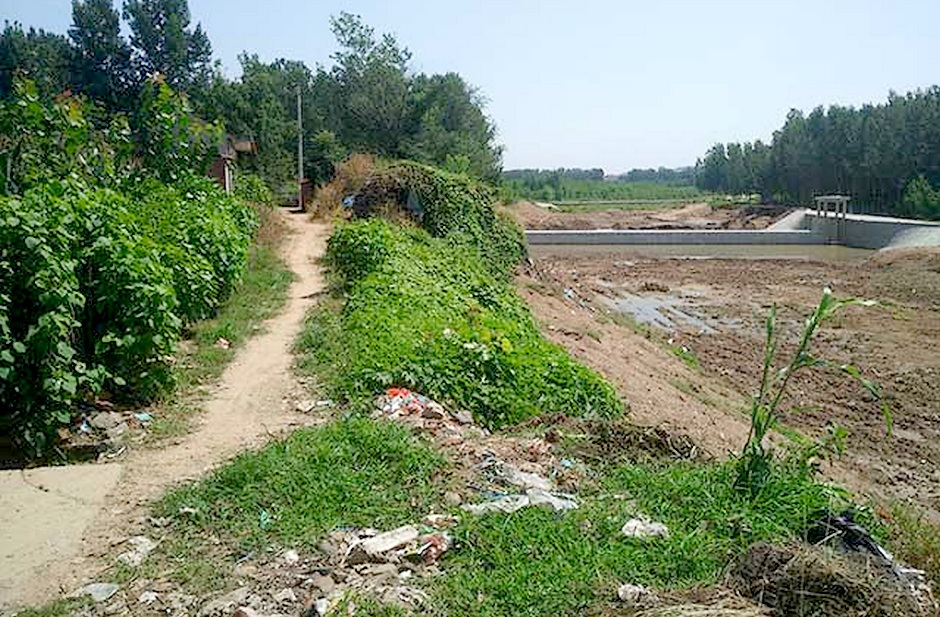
(368, 100)
(593, 184)
(886, 157)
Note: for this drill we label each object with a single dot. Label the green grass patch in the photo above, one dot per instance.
(352, 472)
(535, 562)
(427, 313)
(259, 295)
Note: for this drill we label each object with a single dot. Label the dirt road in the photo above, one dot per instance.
(253, 401)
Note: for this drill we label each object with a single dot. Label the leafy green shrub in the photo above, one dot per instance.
(97, 286)
(428, 313)
(253, 189)
(447, 204)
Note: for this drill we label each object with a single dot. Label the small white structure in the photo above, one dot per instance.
(838, 206)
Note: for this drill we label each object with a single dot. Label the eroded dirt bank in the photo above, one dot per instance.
(712, 312)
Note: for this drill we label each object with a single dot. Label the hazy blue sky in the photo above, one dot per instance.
(616, 84)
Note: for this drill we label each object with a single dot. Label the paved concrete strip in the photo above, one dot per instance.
(44, 513)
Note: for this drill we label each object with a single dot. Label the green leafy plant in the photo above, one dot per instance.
(754, 464)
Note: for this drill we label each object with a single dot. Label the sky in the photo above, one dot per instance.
(611, 84)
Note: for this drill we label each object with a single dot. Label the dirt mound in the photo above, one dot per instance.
(810, 581)
(691, 216)
(923, 258)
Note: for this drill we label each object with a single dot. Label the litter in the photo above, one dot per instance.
(634, 594)
(560, 502)
(143, 417)
(99, 592)
(141, 546)
(644, 528)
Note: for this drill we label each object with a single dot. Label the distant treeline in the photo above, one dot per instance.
(886, 157)
(367, 99)
(593, 184)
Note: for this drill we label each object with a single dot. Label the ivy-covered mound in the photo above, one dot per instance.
(96, 286)
(446, 204)
(437, 313)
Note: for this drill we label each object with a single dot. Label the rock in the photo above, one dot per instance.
(323, 583)
(432, 413)
(462, 416)
(379, 570)
(285, 596)
(453, 498)
(223, 604)
(245, 611)
(321, 607)
(106, 420)
(148, 597)
(634, 594)
(99, 592)
(141, 546)
(290, 557)
(116, 432)
(644, 528)
(306, 406)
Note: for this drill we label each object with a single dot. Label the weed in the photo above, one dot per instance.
(755, 461)
(687, 356)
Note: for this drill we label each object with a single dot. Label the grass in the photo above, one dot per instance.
(535, 562)
(356, 471)
(259, 295)
(428, 314)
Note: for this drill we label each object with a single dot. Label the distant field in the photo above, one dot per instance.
(568, 190)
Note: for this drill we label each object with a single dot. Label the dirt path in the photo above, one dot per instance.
(253, 401)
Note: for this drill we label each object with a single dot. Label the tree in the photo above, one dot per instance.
(164, 43)
(42, 57)
(370, 90)
(101, 63)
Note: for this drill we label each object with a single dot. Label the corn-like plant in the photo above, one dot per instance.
(755, 462)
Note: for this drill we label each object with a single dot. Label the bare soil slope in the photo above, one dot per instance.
(896, 344)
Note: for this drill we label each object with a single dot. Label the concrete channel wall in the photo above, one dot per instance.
(672, 236)
(873, 232)
(799, 227)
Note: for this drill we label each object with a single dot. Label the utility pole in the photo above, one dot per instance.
(300, 154)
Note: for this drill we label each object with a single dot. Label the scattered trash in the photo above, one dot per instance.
(148, 597)
(99, 592)
(635, 594)
(224, 604)
(644, 528)
(264, 520)
(532, 497)
(321, 606)
(285, 596)
(144, 417)
(187, 510)
(373, 549)
(850, 537)
(440, 521)
(290, 557)
(510, 475)
(434, 546)
(223, 343)
(306, 406)
(141, 546)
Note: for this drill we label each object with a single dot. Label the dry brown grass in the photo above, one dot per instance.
(272, 228)
(349, 177)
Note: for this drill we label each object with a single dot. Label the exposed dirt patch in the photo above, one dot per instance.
(254, 400)
(692, 216)
(896, 345)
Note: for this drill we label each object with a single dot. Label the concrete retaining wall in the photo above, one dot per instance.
(872, 232)
(672, 236)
